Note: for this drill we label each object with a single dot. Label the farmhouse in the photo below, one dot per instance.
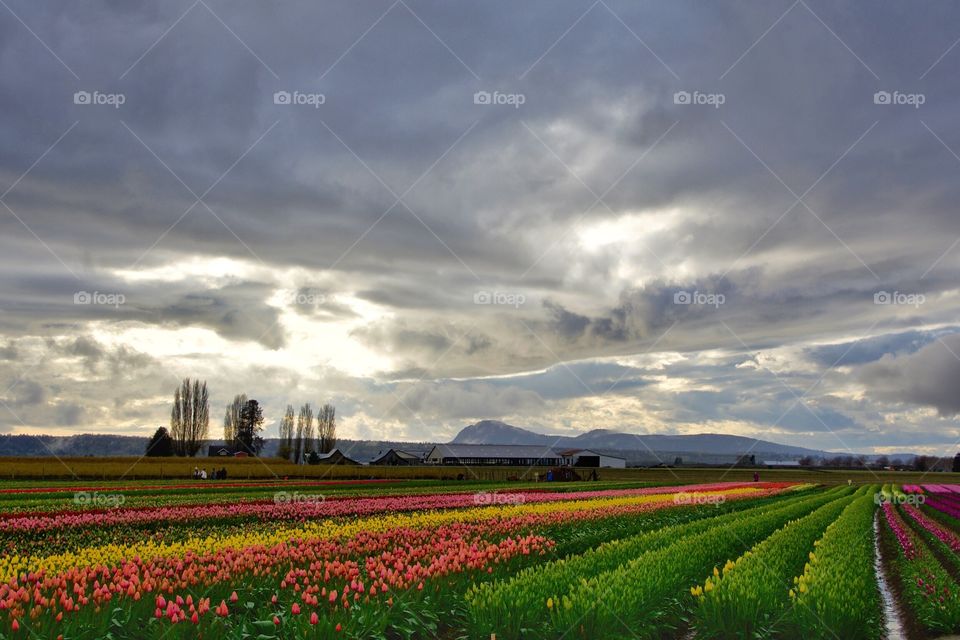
(219, 450)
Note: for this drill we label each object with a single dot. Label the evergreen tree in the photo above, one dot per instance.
(160, 445)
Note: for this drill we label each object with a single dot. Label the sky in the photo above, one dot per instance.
(655, 217)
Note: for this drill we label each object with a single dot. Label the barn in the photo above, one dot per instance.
(781, 464)
(588, 458)
(506, 455)
(335, 457)
(397, 458)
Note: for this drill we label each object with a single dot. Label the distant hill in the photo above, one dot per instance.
(703, 447)
(639, 450)
(88, 444)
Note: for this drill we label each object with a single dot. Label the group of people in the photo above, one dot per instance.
(216, 474)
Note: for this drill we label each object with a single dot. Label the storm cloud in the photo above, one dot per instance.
(675, 217)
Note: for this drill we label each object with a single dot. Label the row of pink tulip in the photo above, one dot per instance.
(942, 533)
(290, 507)
(942, 488)
(172, 488)
(899, 530)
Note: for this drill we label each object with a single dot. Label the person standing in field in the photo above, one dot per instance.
(756, 476)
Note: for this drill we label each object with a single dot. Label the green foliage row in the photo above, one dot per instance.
(837, 595)
(616, 585)
(749, 596)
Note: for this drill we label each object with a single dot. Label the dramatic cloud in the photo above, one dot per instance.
(678, 217)
(928, 377)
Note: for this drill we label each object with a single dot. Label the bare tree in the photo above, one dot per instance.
(298, 443)
(190, 417)
(177, 424)
(286, 434)
(305, 431)
(231, 419)
(199, 422)
(326, 428)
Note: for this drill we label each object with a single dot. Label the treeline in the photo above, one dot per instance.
(300, 441)
(917, 463)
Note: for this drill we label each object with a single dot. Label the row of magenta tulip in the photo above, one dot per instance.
(930, 595)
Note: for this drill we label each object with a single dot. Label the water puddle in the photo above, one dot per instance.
(891, 615)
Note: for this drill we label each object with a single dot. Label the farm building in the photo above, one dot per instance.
(223, 451)
(335, 457)
(781, 464)
(588, 458)
(519, 455)
(397, 458)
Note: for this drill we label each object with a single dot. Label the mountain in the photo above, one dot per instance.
(496, 432)
(646, 449)
(639, 450)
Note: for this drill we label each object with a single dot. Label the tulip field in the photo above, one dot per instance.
(424, 559)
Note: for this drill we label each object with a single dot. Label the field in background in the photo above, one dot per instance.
(129, 468)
